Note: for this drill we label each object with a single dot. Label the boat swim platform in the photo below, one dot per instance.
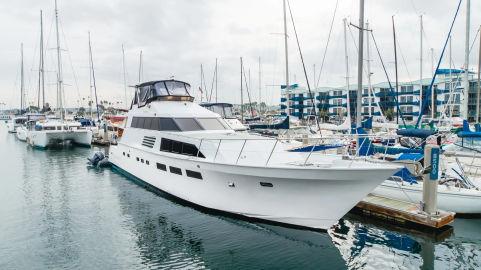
(401, 212)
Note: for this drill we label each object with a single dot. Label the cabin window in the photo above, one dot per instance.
(137, 158)
(155, 124)
(147, 122)
(147, 162)
(161, 166)
(211, 123)
(193, 174)
(128, 155)
(266, 184)
(187, 124)
(135, 121)
(175, 170)
(172, 146)
(168, 124)
(142, 160)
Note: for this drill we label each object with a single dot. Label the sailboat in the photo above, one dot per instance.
(19, 120)
(45, 133)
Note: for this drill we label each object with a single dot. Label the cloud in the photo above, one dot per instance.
(176, 36)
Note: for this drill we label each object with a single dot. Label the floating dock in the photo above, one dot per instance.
(402, 212)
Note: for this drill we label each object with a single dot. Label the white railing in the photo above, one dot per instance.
(240, 148)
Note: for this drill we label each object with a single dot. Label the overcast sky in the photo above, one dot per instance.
(177, 36)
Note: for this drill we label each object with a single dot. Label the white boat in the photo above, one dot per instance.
(32, 118)
(15, 122)
(450, 198)
(54, 131)
(188, 151)
(226, 111)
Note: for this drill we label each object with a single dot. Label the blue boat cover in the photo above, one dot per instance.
(410, 156)
(309, 148)
(406, 175)
(417, 133)
(467, 133)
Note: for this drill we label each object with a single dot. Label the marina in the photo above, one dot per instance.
(144, 170)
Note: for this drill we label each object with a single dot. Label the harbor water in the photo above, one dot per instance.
(55, 213)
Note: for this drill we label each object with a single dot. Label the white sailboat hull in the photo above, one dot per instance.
(43, 139)
(21, 134)
(454, 199)
(313, 198)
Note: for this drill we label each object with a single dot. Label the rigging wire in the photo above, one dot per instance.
(388, 80)
(327, 45)
(248, 92)
(304, 67)
(71, 65)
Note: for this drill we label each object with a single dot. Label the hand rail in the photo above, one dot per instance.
(272, 151)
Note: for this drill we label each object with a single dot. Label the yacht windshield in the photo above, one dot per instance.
(229, 112)
(174, 88)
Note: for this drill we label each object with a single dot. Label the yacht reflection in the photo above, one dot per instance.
(164, 226)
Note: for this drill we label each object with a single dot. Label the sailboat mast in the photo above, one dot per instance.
(395, 68)
(92, 70)
(368, 50)
(464, 105)
(125, 77)
(22, 85)
(421, 63)
(216, 70)
(140, 67)
(432, 90)
(260, 76)
(346, 56)
(59, 69)
(287, 90)
(41, 78)
(479, 80)
(242, 91)
(360, 65)
(451, 86)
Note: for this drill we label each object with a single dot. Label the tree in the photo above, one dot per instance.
(389, 114)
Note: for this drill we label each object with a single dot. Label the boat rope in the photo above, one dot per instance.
(311, 96)
(430, 88)
(327, 45)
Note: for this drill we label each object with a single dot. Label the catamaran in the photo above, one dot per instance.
(52, 131)
(179, 147)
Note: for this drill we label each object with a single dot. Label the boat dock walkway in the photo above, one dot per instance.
(402, 212)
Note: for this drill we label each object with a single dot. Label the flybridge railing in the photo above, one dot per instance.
(257, 151)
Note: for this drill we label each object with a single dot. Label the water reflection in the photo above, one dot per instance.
(172, 234)
(368, 244)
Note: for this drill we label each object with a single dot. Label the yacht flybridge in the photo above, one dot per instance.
(186, 150)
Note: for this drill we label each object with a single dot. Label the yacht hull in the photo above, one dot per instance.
(454, 199)
(314, 198)
(43, 139)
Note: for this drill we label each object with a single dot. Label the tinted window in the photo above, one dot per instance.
(135, 120)
(189, 149)
(175, 170)
(187, 124)
(211, 123)
(172, 146)
(155, 124)
(161, 166)
(176, 147)
(147, 122)
(140, 123)
(193, 174)
(168, 124)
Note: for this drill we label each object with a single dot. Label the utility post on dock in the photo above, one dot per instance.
(430, 180)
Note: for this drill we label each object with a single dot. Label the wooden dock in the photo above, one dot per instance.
(402, 212)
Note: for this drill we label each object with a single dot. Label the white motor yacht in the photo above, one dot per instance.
(183, 149)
